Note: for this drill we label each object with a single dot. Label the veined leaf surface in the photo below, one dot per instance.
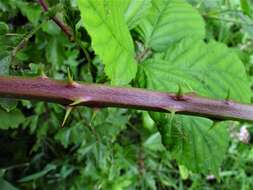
(210, 70)
(135, 11)
(169, 21)
(111, 40)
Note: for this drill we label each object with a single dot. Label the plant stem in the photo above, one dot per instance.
(64, 28)
(94, 95)
(67, 31)
(23, 42)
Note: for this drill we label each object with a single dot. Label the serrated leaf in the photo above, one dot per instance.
(210, 70)
(193, 144)
(134, 11)
(111, 39)
(201, 149)
(168, 22)
(8, 104)
(11, 119)
(207, 69)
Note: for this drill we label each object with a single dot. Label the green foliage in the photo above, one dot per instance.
(168, 22)
(198, 147)
(6, 185)
(194, 46)
(11, 119)
(105, 22)
(134, 11)
(206, 69)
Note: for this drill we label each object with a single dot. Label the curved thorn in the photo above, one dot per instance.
(214, 124)
(68, 111)
(228, 97)
(41, 72)
(70, 77)
(179, 94)
(78, 101)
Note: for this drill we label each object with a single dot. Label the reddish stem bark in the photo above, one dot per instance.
(94, 95)
(64, 28)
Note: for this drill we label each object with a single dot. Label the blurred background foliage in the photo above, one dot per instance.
(101, 148)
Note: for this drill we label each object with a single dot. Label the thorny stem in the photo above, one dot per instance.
(94, 95)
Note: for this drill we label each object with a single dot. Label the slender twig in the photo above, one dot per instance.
(67, 31)
(94, 95)
(17, 166)
(23, 42)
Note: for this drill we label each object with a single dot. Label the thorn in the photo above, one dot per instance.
(179, 94)
(71, 82)
(95, 111)
(215, 123)
(68, 111)
(78, 101)
(70, 77)
(171, 110)
(41, 72)
(228, 97)
(172, 116)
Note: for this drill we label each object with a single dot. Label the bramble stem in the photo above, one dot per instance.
(94, 95)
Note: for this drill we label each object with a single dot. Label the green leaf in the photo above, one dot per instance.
(72, 135)
(154, 142)
(5, 185)
(245, 5)
(8, 104)
(55, 51)
(184, 172)
(40, 174)
(29, 10)
(208, 69)
(193, 144)
(147, 121)
(5, 61)
(135, 11)
(111, 40)
(168, 22)
(200, 149)
(4, 28)
(11, 119)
